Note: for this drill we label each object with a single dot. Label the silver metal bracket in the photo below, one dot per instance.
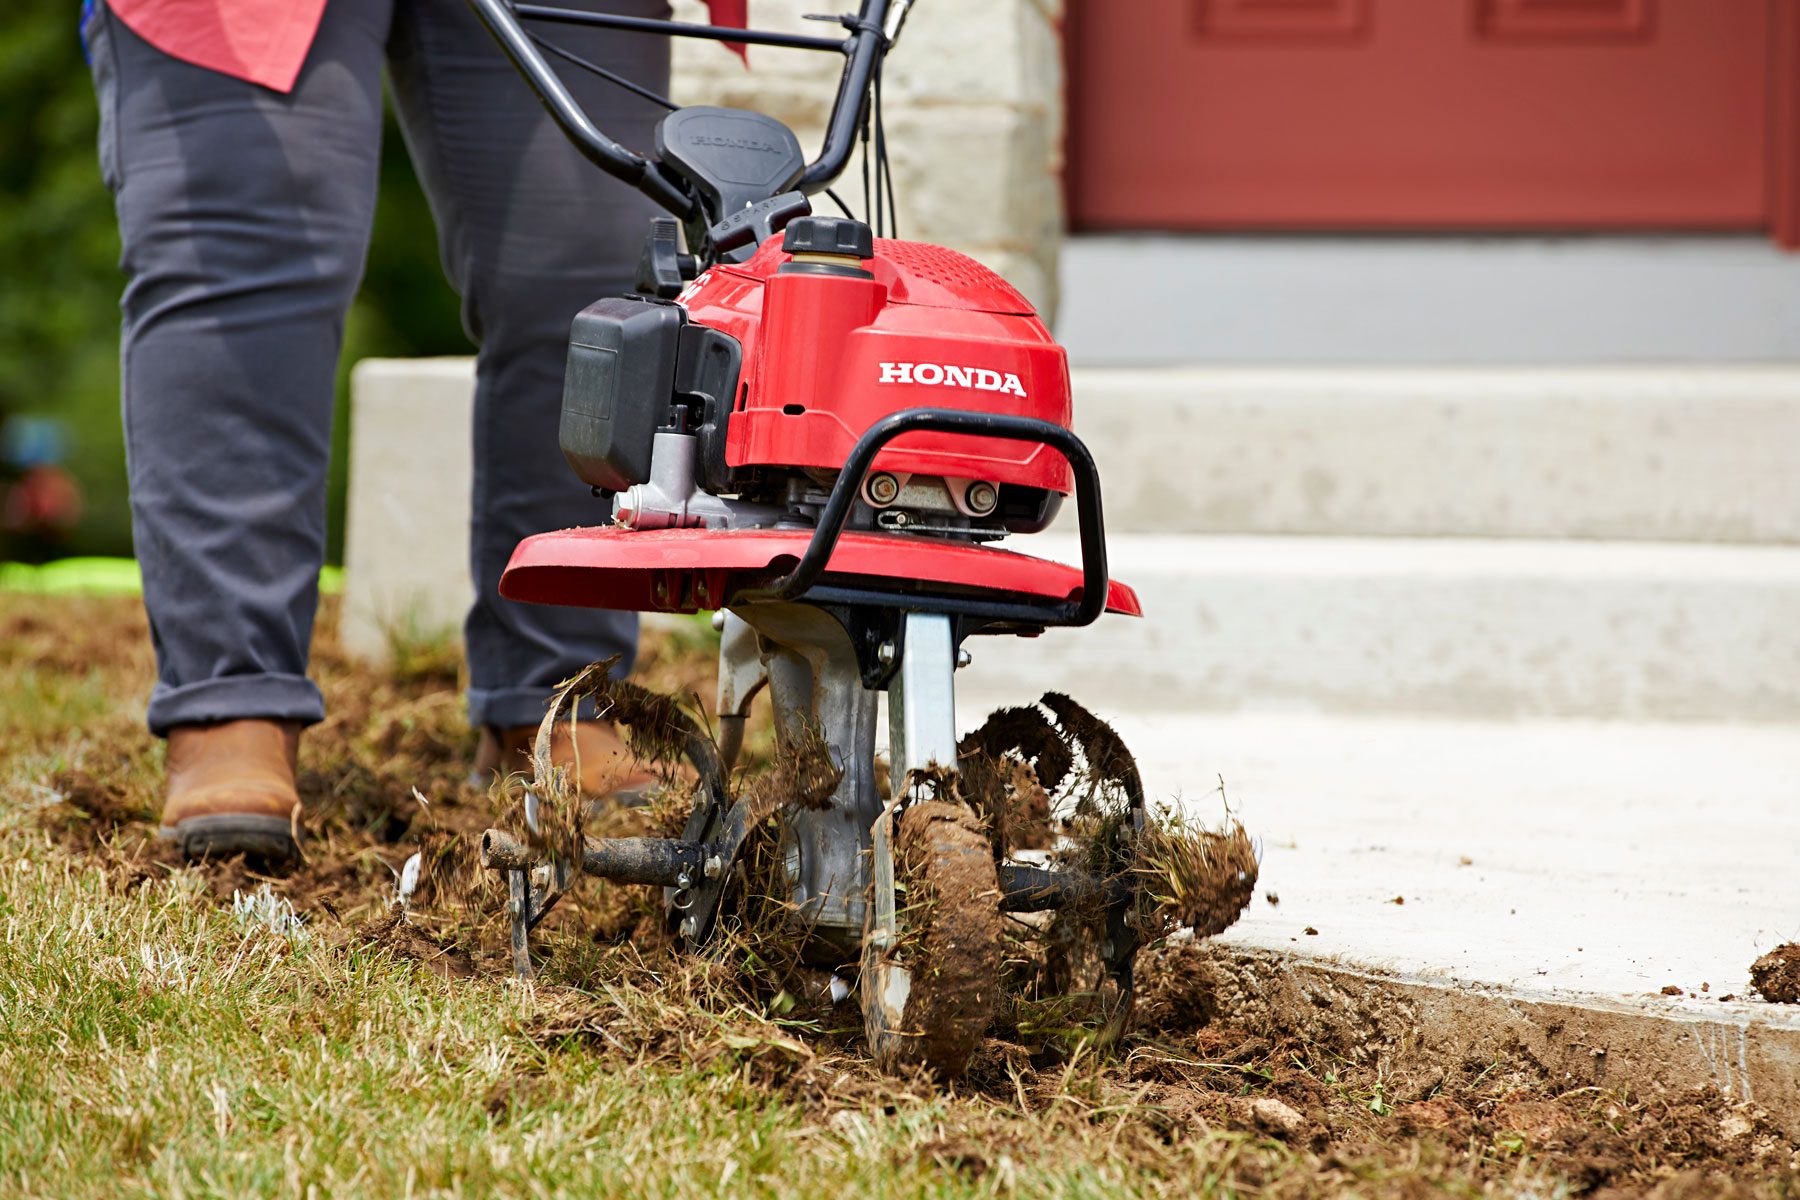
(922, 701)
(922, 745)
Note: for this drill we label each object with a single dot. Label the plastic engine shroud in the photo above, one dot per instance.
(826, 356)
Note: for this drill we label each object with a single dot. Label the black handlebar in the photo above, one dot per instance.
(865, 47)
(863, 50)
(602, 151)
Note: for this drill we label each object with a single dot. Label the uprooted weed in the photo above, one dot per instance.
(156, 1043)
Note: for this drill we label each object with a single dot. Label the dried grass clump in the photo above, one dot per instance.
(1195, 878)
(803, 773)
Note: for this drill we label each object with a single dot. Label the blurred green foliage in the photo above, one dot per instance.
(60, 281)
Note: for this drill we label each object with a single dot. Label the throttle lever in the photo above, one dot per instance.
(663, 270)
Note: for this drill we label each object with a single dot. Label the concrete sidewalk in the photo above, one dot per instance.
(1556, 876)
(1565, 856)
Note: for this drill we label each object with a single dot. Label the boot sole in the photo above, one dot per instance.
(225, 835)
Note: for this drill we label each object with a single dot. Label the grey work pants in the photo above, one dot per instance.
(245, 218)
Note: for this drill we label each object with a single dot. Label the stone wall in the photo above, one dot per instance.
(973, 103)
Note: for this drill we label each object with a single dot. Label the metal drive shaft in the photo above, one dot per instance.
(667, 862)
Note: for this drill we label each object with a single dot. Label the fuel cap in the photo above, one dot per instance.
(829, 235)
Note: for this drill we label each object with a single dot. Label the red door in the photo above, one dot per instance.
(1430, 114)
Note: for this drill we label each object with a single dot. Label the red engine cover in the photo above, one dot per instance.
(827, 356)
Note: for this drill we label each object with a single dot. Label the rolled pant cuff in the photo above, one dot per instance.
(236, 698)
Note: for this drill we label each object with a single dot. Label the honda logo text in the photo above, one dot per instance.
(944, 375)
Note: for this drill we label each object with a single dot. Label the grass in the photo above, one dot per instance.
(157, 1042)
(158, 1046)
(103, 577)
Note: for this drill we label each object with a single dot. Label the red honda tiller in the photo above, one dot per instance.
(820, 434)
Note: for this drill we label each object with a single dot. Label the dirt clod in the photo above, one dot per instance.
(1777, 974)
(1276, 1119)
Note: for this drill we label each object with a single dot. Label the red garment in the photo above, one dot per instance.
(263, 41)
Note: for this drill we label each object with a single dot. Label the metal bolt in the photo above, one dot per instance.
(689, 927)
(684, 881)
(981, 497)
(718, 620)
(883, 488)
(885, 652)
(625, 507)
(963, 657)
(715, 866)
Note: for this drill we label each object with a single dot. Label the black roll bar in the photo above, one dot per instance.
(863, 50)
(836, 513)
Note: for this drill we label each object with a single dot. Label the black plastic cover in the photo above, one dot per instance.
(706, 381)
(733, 157)
(618, 388)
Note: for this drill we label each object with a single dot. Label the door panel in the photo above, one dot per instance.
(1564, 19)
(1421, 114)
(1279, 18)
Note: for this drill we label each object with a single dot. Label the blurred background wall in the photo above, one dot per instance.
(1378, 183)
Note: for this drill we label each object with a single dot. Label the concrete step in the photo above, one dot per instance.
(1142, 299)
(1556, 876)
(1659, 454)
(1497, 628)
(406, 520)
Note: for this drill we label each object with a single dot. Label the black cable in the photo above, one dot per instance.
(612, 77)
(868, 204)
(887, 169)
(839, 201)
(880, 150)
(880, 212)
(884, 164)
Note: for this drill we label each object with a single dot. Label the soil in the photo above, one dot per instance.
(1009, 768)
(1373, 1115)
(1777, 974)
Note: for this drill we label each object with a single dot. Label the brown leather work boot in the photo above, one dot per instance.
(608, 768)
(230, 790)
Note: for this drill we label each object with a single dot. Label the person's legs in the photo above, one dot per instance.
(244, 216)
(531, 233)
